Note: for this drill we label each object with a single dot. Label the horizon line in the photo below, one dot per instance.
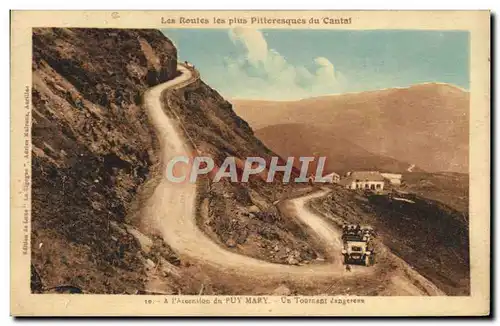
(348, 93)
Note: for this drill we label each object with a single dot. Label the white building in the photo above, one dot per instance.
(368, 180)
(334, 176)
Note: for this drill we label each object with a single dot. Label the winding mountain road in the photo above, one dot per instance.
(171, 209)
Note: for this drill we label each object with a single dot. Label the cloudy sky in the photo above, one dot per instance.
(293, 64)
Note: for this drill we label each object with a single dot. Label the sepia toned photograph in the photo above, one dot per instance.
(251, 162)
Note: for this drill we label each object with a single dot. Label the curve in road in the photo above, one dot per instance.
(171, 208)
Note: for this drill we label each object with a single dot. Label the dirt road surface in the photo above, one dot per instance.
(171, 209)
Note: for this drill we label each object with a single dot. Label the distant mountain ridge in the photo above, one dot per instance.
(425, 124)
(341, 155)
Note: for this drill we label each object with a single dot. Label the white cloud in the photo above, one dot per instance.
(254, 42)
(260, 72)
(322, 61)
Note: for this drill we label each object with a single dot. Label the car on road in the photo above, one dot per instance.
(357, 245)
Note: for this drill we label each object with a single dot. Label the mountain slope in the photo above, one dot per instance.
(426, 124)
(86, 169)
(94, 158)
(341, 154)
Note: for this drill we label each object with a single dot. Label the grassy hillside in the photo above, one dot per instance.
(342, 155)
(451, 189)
(430, 236)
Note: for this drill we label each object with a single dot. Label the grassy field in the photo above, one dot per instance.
(451, 189)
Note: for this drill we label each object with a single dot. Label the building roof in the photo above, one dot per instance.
(345, 181)
(366, 176)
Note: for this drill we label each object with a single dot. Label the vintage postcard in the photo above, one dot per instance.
(250, 163)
